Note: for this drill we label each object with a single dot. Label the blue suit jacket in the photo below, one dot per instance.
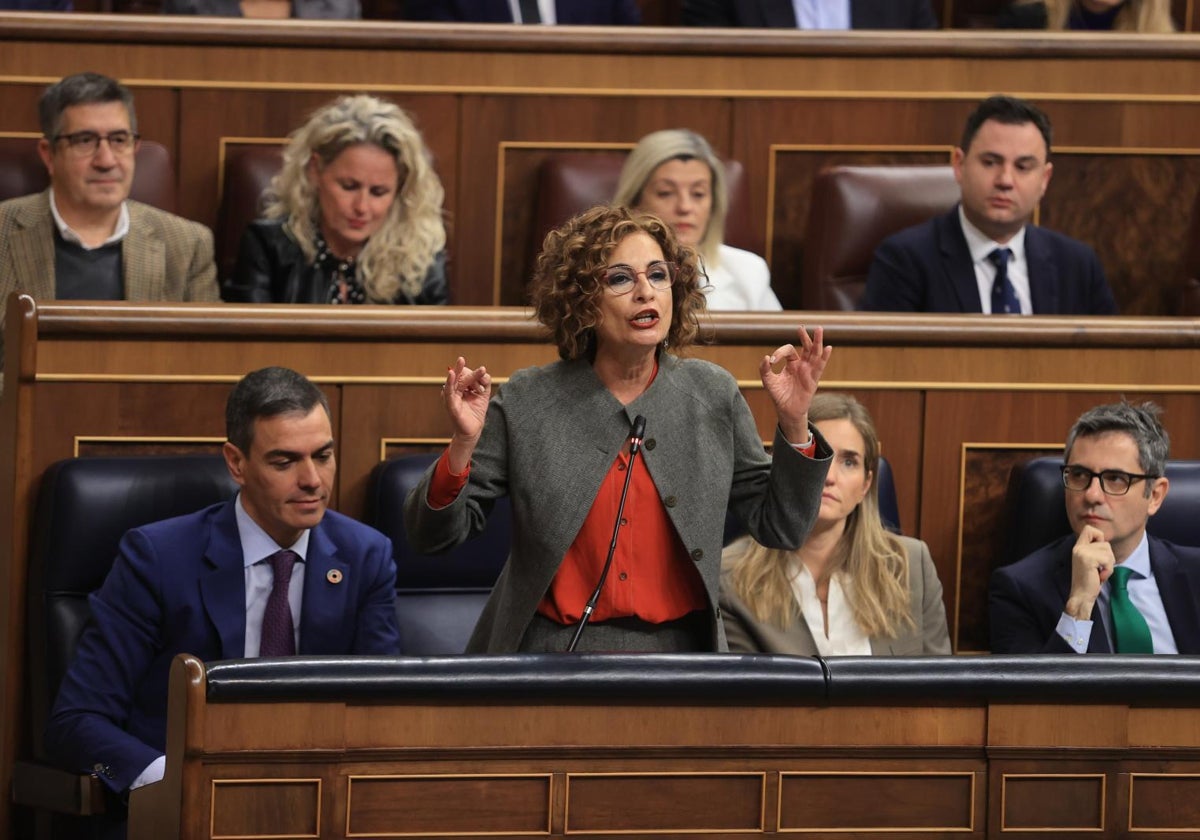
(1026, 599)
(781, 14)
(582, 12)
(928, 268)
(178, 586)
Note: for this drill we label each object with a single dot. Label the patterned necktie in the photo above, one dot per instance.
(278, 630)
(1130, 631)
(1004, 296)
(529, 12)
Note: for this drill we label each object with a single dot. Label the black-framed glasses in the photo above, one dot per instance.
(86, 143)
(620, 278)
(1112, 482)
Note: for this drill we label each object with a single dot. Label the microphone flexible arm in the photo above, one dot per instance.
(635, 446)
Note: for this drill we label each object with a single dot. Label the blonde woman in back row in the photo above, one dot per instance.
(853, 588)
(675, 175)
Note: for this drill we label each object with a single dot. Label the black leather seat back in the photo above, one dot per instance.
(438, 598)
(1037, 513)
(84, 506)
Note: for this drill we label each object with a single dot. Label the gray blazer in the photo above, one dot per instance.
(550, 438)
(746, 633)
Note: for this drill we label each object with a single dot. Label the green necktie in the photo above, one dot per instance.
(1130, 630)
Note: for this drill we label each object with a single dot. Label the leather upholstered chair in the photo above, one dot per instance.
(23, 173)
(853, 209)
(570, 182)
(1036, 512)
(438, 598)
(84, 506)
(248, 171)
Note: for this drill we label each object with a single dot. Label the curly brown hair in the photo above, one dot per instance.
(566, 288)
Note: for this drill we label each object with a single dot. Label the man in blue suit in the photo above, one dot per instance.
(984, 255)
(811, 14)
(270, 573)
(580, 12)
(1109, 586)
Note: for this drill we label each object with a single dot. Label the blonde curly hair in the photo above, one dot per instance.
(398, 256)
(566, 288)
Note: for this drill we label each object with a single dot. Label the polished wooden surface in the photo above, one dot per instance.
(493, 102)
(468, 764)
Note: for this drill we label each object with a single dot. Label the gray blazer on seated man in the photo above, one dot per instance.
(83, 238)
(1110, 587)
(985, 256)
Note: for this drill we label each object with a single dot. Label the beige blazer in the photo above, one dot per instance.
(164, 257)
(746, 633)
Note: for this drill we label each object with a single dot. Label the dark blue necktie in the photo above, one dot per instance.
(1004, 296)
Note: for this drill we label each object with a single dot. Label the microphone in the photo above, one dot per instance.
(636, 435)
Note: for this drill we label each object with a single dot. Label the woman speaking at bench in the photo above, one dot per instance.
(853, 588)
(675, 175)
(354, 216)
(619, 295)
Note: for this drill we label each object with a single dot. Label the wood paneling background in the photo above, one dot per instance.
(494, 101)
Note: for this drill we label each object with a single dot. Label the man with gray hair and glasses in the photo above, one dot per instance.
(83, 239)
(1110, 587)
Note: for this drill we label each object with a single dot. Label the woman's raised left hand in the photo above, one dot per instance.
(793, 386)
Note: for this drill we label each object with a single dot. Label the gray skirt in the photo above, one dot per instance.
(690, 634)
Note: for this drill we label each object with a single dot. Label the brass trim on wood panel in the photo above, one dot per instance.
(762, 793)
(1004, 777)
(212, 805)
(18, 135)
(501, 153)
(548, 777)
(1130, 828)
(209, 379)
(962, 509)
(971, 774)
(82, 439)
(385, 442)
(1123, 98)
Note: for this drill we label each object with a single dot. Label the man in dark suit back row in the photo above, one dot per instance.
(1110, 586)
(811, 14)
(984, 255)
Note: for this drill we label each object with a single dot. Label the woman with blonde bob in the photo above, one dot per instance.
(1110, 15)
(852, 588)
(618, 295)
(354, 216)
(675, 175)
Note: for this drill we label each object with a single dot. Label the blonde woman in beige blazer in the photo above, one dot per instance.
(852, 588)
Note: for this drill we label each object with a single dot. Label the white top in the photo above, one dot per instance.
(741, 281)
(822, 14)
(845, 637)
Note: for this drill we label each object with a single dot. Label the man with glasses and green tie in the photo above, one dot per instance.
(83, 238)
(1109, 587)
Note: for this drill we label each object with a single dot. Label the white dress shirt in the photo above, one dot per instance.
(845, 637)
(980, 246)
(822, 14)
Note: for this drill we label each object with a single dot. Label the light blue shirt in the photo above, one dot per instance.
(1143, 593)
(257, 546)
(822, 14)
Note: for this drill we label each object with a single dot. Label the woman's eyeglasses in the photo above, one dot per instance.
(621, 279)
